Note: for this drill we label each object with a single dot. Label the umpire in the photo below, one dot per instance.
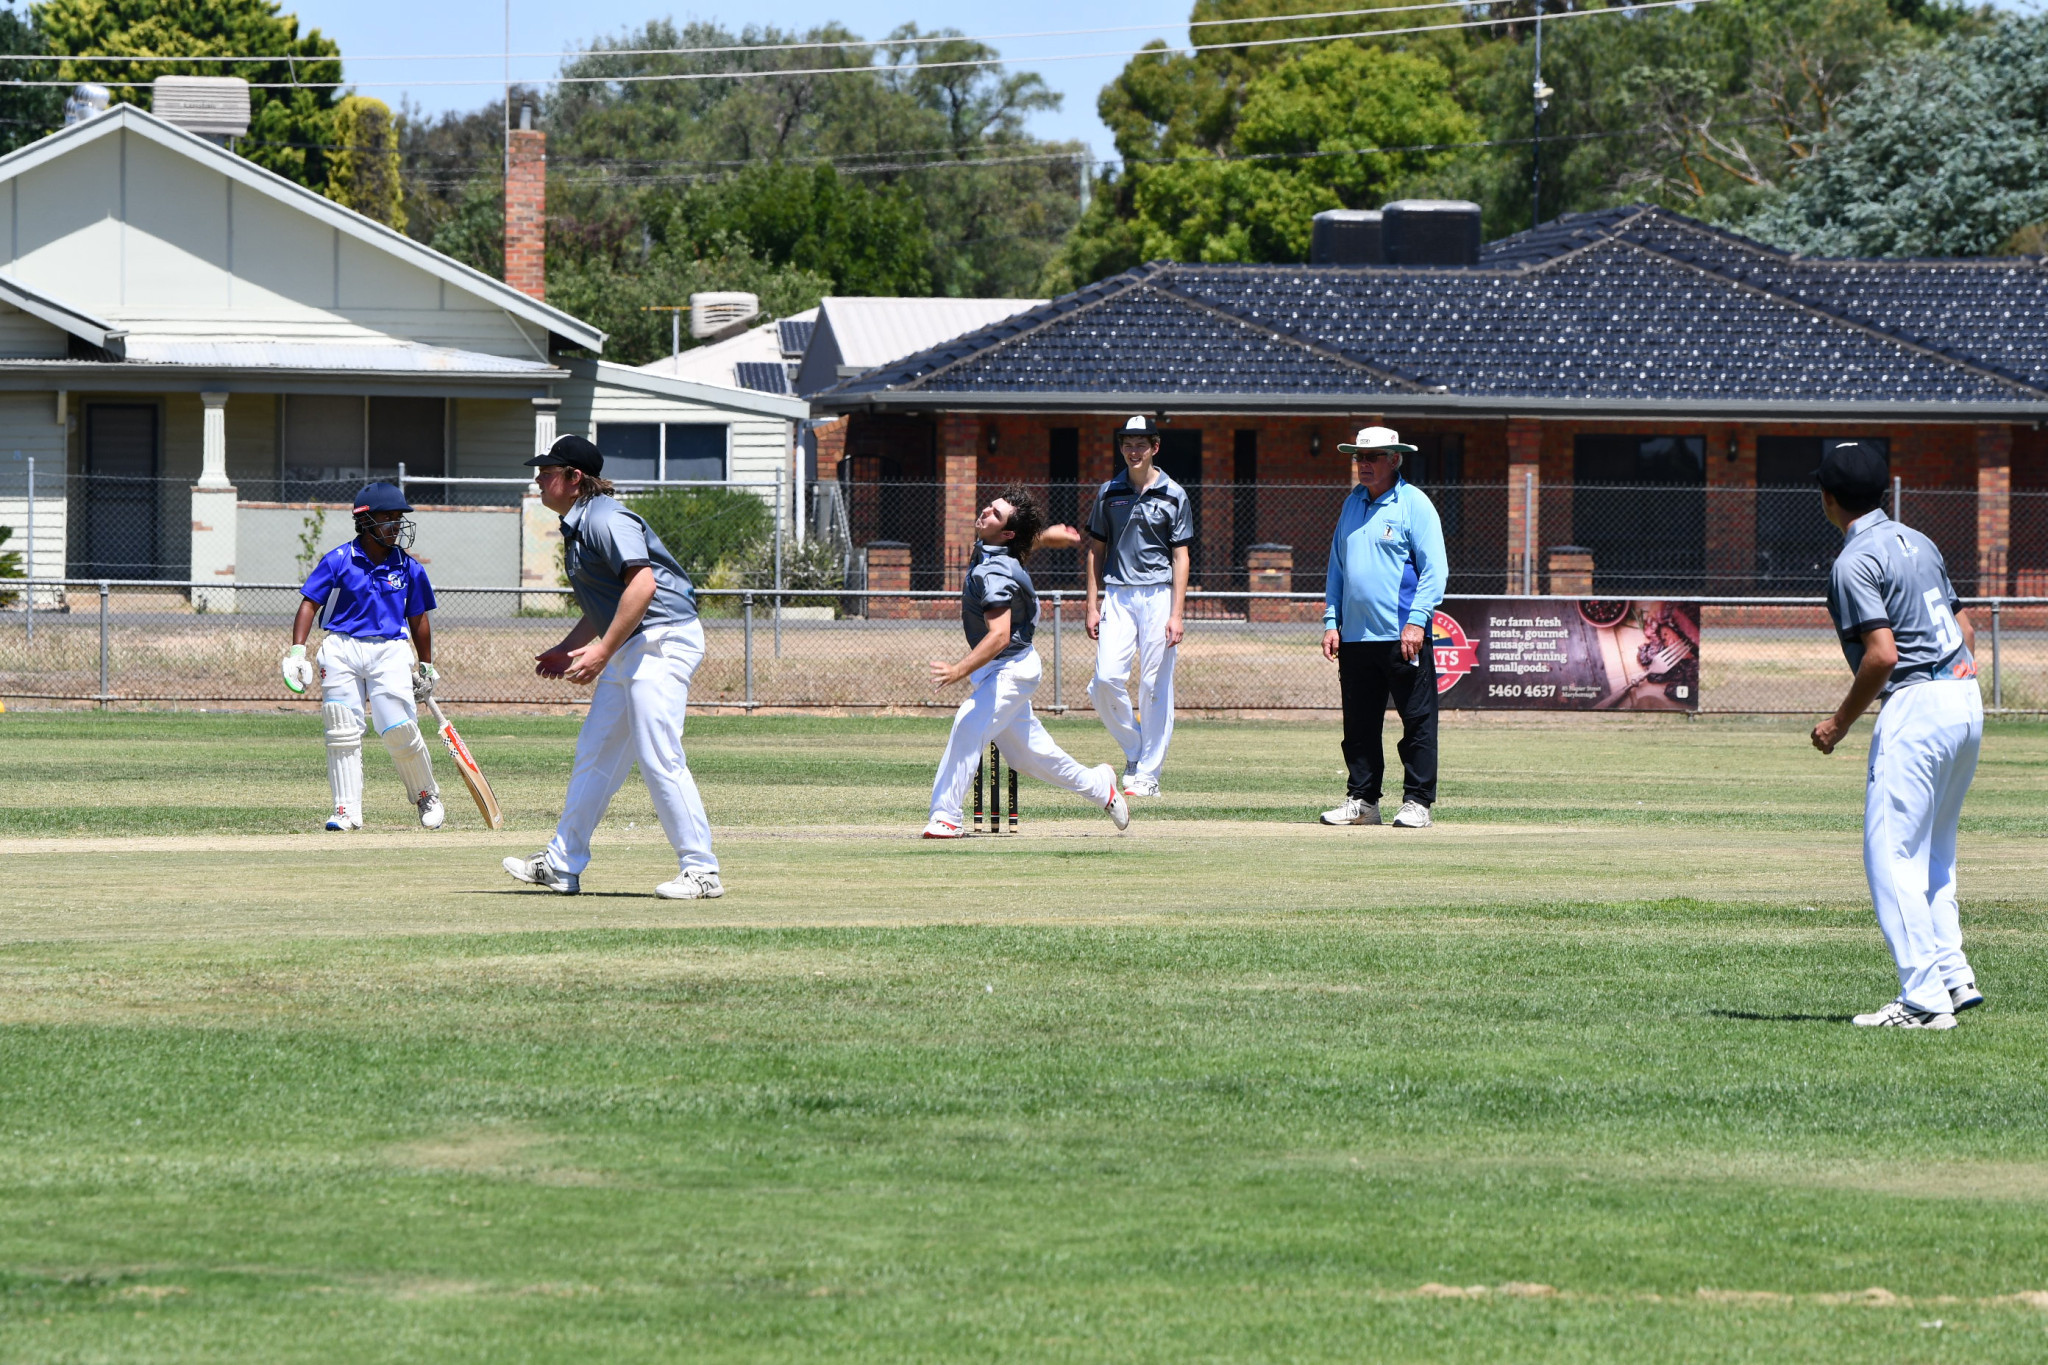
(1386, 578)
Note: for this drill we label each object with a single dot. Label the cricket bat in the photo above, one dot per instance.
(472, 775)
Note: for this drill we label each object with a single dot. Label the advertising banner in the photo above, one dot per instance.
(1544, 654)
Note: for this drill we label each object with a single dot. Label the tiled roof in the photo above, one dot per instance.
(1627, 305)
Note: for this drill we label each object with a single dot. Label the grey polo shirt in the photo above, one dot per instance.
(601, 540)
(998, 580)
(1140, 530)
(1892, 576)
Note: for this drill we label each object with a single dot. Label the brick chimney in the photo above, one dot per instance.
(526, 205)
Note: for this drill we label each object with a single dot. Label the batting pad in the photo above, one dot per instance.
(409, 754)
(345, 756)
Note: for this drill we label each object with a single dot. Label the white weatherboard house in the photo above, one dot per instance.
(189, 343)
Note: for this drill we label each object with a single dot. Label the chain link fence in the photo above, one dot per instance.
(142, 643)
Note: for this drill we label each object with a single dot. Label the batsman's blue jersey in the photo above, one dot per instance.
(1891, 576)
(365, 599)
(998, 580)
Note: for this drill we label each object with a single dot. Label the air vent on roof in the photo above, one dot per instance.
(1346, 237)
(84, 102)
(212, 106)
(711, 314)
(1431, 232)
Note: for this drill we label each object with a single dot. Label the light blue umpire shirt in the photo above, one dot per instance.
(1387, 565)
(602, 540)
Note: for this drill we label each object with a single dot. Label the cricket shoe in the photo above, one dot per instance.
(692, 886)
(1118, 808)
(432, 816)
(1965, 997)
(1899, 1014)
(1140, 786)
(538, 871)
(940, 829)
(1356, 810)
(1412, 815)
(341, 820)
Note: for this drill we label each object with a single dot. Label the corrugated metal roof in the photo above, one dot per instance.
(384, 357)
(872, 332)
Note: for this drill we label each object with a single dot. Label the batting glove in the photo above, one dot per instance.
(423, 684)
(297, 669)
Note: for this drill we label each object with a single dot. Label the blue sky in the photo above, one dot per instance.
(394, 27)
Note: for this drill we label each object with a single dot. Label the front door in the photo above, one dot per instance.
(119, 527)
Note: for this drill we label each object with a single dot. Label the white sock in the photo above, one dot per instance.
(345, 758)
(415, 765)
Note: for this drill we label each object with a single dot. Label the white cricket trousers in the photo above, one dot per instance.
(1134, 622)
(1923, 754)
(636, 712)
(998, 711)
(373, 677)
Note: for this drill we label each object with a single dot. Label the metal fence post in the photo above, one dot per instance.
(747, 609)
(401, 478)
(1898, 500)
(104, 690)
(28, 592)
(1997, 683)
(778, 568)
(1056, 654)
(1529, 531)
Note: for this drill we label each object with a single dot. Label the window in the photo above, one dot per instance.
(1640, 505)
(346, 438)
(1795, 543)
(1438, 468)
(652, 451)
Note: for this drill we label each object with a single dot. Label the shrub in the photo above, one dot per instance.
(702, 526)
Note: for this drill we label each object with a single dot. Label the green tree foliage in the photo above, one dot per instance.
(1301, 138)
(290, 131)
(914, 178)
(362, 168)
(614, 295)
(26, 112)
(1942, 153)
(702, 526)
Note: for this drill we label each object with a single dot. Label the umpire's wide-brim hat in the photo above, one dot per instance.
(1372, 440)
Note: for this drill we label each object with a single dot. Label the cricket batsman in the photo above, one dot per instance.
(368, 594)
(1138, 536)
(1908, 641)
(637, 646)
(999, 609)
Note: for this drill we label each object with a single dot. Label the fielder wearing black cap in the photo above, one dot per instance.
(1855, 472)
(573, 451)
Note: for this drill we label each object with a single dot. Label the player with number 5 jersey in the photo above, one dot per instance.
(1908, 642)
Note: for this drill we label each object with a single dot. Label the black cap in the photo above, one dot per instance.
(1856, 472)
(574, 452)
(1138, 426)
(381, 497)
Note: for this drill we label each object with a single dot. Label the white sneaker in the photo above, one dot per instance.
(1965, 997)
(538, 871)
(341, 819)
(1356, 810)
(1899, 1014)
(691, 886)
(1119, 809)
(939, 829)
(1413, 815)
(432, 816)
(1140, 786)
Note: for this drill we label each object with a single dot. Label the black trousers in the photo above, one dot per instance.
(1369, 672)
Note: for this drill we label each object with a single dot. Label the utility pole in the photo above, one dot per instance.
(1542, 95)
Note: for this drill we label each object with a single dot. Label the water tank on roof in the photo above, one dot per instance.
(1431, 232)
(1346, 237)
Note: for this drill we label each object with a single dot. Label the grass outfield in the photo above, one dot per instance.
(1563, 1079)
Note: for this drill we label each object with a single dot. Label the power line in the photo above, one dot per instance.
(847, 44)
(667, 77)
